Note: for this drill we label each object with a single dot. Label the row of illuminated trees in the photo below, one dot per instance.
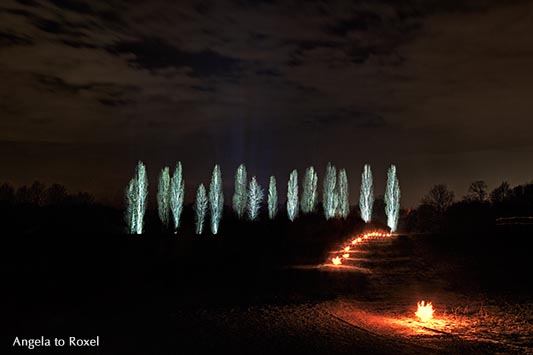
(249, 196)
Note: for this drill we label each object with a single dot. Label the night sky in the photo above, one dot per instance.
(441, 88)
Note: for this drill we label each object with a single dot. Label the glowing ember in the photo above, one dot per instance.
(425, 311)
(336, 261)
(347, 249)
(346, 255)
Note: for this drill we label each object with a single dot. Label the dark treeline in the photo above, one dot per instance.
(38, 194)
(480, 209)
(39, 208)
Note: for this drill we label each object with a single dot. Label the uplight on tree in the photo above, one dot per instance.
(255, 197)
(392, 199)
(292, 195)
(239, 196)
(330, 198)
(136, 199)
(131, 204)
(216, 199)
(366, 197)
(272, 198)
(343, 208)
(177, 195)
(163, 197)
(200, 209)
(309, 194)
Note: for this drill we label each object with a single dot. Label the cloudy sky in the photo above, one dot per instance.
(441, 88)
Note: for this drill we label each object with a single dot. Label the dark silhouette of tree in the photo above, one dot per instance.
(22, 196)
(439, 198)
(477, 191)
(7, 194)
(501, 194)
(521, 200)
(36, 193)
(56, 195)
(81, 199)
(430, 216)
(378, 212)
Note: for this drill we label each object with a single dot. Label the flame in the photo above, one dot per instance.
(357, 240)
(336, 261)
(352, 245)
(424, 311)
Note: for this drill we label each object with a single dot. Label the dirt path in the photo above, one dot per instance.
(284, 329)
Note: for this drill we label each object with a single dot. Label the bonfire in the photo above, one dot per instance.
(424, 311)
(336, 261)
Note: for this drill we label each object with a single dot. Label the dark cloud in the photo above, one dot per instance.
(78, 44)
(17, 12)
(12, 39)
(308, 45)
(114, 102)
(358, 21)
(272, 72)
(156, 53)
(258, 36)
(347, 117)
(28, 2)
(203, 7)
(55, 27)
(106, 93)
(73, 5)
(203, 88)
(55, 84)
(253, 3)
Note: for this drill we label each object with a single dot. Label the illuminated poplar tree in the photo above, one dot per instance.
(309, 194)
(366, 197)
(330, 198)
(239, 195)
(392, 199)
(136, 199)
(163, 196)
(343, 207)
(272, 198)
(177, 195)
(200, 208)
(255, 197)
(131, 204)
(216, 199)
(292, 195)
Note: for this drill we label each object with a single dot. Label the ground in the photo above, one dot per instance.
(158, 295)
